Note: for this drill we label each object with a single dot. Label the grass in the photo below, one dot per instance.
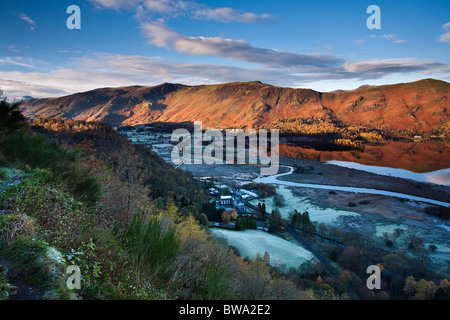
(26, 252)
(153, 245)
(3, 174)
(29, 151)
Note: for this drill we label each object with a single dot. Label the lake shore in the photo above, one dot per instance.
(316, 172)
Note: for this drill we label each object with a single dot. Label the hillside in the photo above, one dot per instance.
(419, 106)
(136, 227)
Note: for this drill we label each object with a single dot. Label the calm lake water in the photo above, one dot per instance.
(418, 157)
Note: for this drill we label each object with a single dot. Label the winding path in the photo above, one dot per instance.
(274, 180)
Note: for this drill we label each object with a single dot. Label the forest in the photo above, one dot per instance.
(334, 135)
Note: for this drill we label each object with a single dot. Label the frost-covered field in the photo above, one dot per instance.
(302, 204)
(430, 235)
(250, 242)
(300, 197)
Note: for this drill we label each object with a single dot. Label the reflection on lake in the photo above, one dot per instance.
(417, 157)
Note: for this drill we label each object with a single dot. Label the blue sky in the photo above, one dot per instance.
(323, 45)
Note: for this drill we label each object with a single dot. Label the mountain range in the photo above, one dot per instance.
(418, 106)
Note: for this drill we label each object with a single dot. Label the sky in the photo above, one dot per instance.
(324, 45)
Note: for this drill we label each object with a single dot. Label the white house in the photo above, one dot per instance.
(226, 201)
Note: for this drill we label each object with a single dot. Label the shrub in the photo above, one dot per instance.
(14, 225)
(217, 286)
(263, 189)
(278, 200)
(245, 223)
(153, 247)
(63, 219)
(3, 174)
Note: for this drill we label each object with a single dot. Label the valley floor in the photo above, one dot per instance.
(373, 215)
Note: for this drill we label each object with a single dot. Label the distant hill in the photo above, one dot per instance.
(419, 106)
(20, 99)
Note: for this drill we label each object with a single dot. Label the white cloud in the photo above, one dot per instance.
(390, 37)
(114, 4)
(28, 20)
(446, 36)
(12, 48)
(20, 88)
(162, 36)
(229, 15)
(384, 36)
(112, 70)
(16, 62)
(387, 66)
(175, 8)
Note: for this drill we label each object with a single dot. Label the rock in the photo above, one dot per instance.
(53, 260)
(57, 295)
(7, 291)
(4, 294)
(51, 295)
(13, 290)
